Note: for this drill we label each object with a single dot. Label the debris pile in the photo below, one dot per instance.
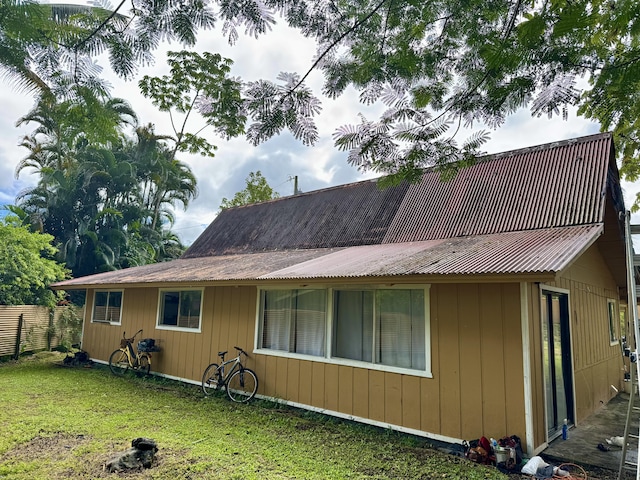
(139, 456)
(80, 358)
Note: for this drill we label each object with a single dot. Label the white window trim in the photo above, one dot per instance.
(174, 328)
(93, 306)
(328, 358)
(613, 322)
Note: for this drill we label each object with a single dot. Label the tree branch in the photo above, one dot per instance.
(99, 27)
(336, 42)
(469, 91)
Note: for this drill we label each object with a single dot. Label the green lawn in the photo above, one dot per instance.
(62, 422)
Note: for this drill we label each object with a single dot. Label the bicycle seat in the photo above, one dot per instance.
(222, 354)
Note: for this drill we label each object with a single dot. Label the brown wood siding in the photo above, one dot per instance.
(597, 364)
(537, 378)
(476, 387)
(480, 389)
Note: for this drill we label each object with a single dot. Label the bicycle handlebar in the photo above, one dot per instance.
(124, 335)
(241, 351)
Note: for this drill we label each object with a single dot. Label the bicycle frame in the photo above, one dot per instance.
(240, 382)
(134, 359)
(132, 355)
(221, 369)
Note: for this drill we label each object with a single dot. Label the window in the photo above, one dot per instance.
(180, 309)
(107, 306)
(293, 321)
(613, 319)
(385, 328)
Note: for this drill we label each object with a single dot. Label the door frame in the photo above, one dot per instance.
(569, 343)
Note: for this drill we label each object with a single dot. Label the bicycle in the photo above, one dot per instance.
(126, 357)
(241, 383)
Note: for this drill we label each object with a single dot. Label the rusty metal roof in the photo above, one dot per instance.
(548, 186)
(527, 252)
(193, 270)
(529, 211)
(553, 185)
(535, 252)
(353, 214)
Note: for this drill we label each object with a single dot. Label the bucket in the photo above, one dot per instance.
(502, 454)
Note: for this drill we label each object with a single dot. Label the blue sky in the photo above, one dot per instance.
(280, 158)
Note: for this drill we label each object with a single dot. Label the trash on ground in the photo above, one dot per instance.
(139, 456)
(615, 441)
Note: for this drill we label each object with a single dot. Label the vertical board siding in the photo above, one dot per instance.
(393, 405)
(513, 363)
(471, 352)
(444, 298)
(493, 394)
(183, 354)
(345, 390)
(361, 386)
(482, 341)
(411, 401)
(306, 382)
(466, 397)
(597, 364)
(376, 395)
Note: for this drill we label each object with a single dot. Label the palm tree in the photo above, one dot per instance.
(46, 48)
(165, 181)
(106, 199)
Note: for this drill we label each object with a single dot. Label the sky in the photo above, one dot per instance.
(279, 159)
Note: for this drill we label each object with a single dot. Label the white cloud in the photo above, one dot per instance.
(280, 158)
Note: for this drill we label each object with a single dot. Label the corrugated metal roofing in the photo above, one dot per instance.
(354, 214)
(529, 211)
(186, 270)
(553, 185)
(530, 252)
(548, 186)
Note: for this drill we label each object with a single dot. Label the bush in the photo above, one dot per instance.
(68, 328)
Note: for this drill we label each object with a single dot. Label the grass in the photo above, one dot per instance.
(61, 422)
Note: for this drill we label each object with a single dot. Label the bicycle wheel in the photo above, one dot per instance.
(118, 362)
(144, 365)
(242, 386)
(210, 379)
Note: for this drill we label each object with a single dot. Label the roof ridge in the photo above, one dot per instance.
(546, 146)
(482, 158)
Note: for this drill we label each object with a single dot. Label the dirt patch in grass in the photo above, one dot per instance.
(49, 448)
(62, 448)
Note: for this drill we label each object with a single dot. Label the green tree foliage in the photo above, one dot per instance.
(68, 327)
(106, 199)
(436, 66)
(27, 266)
(257, 190)
(47, 48)
(197, 83)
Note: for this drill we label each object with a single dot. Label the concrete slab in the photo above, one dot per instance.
(582, 445)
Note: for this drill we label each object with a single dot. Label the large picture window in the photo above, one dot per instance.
(293, 321)
(385, 328)
(107, 306)
(180, 309)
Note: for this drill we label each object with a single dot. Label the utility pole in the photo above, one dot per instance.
(296, 190)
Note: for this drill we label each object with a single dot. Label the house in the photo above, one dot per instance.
(488, 304)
